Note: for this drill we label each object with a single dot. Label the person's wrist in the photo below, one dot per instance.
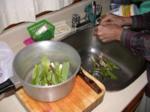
(127, 20)
(119, 34)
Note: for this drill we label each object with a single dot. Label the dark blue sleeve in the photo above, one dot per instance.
(121, 1)
(141, 21)
(137, 42)
(124, 2)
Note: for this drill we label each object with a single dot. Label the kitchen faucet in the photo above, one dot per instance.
(92, 16)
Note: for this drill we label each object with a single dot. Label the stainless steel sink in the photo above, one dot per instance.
(130, 66)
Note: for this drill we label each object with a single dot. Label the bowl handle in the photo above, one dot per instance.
(6, 88)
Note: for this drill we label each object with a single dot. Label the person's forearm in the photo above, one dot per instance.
(127, 21)
(137, 42)
(126, 38)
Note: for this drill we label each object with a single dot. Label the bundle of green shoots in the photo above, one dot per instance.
(104, 66)
(50, 73)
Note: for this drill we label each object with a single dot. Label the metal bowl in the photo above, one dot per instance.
(25, 60)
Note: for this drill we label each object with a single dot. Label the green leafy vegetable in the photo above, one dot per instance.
(50, 73)
(104, 66)
(65, 70)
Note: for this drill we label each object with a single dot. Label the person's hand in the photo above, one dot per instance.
(108, 33)
(114, 19)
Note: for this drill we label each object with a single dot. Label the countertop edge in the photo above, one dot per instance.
(120, 99)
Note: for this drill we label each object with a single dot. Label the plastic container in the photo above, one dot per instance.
(41, 30)
(6, 59)
(125, 10)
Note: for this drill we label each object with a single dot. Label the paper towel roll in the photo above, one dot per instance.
(125, 10)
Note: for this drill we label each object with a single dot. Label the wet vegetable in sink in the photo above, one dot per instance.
(103, 66)
(50, 73)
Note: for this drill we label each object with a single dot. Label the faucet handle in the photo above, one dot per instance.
(75, 20)
(93, 12)
(98, 9)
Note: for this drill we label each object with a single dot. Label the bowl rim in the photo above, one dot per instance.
(47, 86)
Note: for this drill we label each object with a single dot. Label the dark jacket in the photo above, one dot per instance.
(139, 41)
(124, 2)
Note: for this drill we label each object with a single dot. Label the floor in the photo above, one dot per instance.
(144, 105)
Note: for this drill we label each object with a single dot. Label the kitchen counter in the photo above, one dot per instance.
(113, 101)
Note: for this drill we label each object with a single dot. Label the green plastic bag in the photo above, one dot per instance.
(145, 7)
(41, 30)
(136, 1)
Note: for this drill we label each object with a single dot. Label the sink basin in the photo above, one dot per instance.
(130, 66)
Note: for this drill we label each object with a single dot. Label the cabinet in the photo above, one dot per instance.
(135, 102)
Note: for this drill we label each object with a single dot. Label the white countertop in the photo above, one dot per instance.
(113, 101)
(117, 101)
